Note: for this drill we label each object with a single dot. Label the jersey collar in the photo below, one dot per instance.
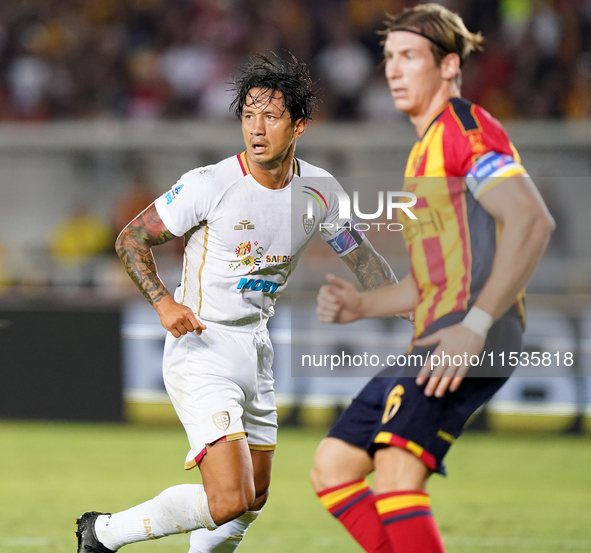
(246, 171)
(434, 118)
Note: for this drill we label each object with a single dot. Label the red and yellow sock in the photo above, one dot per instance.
(408, 522)
(353, 504)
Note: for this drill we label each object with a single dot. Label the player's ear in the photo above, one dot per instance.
(450, 65)
(299, 127)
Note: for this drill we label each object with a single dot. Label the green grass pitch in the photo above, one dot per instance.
(506, 492)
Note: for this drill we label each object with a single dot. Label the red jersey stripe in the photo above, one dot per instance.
(436, 268)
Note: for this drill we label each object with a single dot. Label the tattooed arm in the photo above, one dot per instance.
(134, 248)
(369, 267)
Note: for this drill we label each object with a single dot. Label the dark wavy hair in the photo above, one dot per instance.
(273, 74)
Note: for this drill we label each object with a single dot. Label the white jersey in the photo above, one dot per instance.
(242, 240)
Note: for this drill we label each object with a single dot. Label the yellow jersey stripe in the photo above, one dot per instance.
(205, 240)
(262, 447)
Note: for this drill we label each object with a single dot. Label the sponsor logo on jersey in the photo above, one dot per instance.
(243, 248)
(247, 257)
(244, 225)
(277, 258)
(258, 285)
(221, 420)
(309, 223)
(248, 261)
(172, 194)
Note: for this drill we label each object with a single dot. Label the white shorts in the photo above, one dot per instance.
(221, 386)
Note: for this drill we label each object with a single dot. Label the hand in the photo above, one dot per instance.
(456, 340)
(338, 302)
(176, 318)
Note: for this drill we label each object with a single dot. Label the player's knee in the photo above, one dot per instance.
(227, 511)
(324, 473)
(337, 462)
(259, 501)
(398, 469)
(320, 472)
(227, 505)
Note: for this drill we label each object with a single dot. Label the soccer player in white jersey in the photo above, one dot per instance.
(241, 245)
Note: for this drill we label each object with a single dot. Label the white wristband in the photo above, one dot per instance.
(478, 321)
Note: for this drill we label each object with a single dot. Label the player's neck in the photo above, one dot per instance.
(437, 104)
(276, 174)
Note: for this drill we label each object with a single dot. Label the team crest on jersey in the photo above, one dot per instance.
(308, 223)
(221, 420)
(244, 225)
(478, 147)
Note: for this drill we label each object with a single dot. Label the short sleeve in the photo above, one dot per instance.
(188, 202)
(489, 170)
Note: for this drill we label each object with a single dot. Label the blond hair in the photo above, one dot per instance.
(444, 29)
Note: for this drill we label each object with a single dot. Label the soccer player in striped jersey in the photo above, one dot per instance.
(246, 221)
(480, 230)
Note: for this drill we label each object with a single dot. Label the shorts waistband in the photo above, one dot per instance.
(249, 327)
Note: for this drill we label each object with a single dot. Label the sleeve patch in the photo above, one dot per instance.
(348, 239)
(490, 167)
(173, 193)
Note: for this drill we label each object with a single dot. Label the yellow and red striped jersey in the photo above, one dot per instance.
(463, 153)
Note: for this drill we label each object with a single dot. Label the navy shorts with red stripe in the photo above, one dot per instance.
(426, 426)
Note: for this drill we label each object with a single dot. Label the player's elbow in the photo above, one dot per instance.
(535, 222)
(132, 239)
(120, 241)
(542, 226)
(550, 224)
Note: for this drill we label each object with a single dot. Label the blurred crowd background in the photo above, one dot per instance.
(99, 101)
(104, 104)
(69, 66)
(171, 59)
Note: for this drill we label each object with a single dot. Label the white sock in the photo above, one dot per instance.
(176, 510)
(225, 538)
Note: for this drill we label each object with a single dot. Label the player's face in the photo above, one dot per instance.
(267, 128)
(413, 77)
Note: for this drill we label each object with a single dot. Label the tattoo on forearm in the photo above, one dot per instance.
(134, 249)
(369, 267)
